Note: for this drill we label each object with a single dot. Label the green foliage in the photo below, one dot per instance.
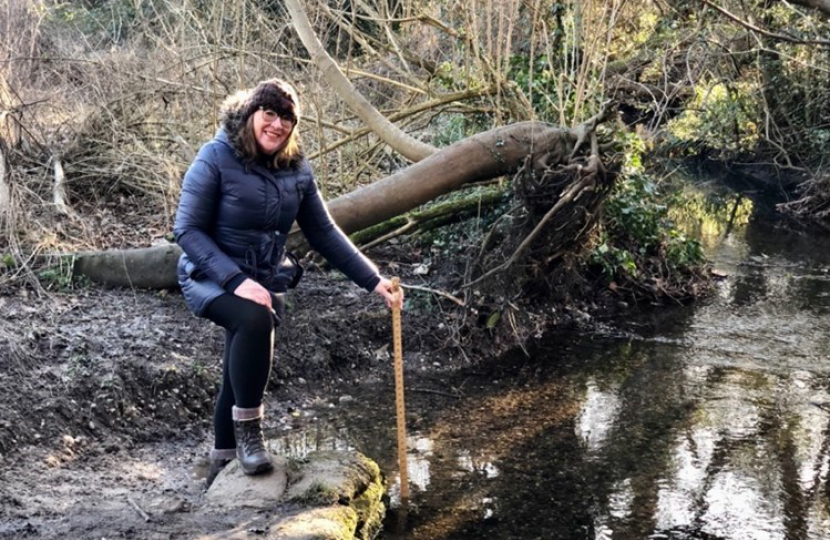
(722, 116)
(613, 261)
(60, 276)
(636, 212)
(638, 228)
(493, 319)
(683, 252)
(542, 89)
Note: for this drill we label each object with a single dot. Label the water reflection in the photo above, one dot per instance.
(702, 422)
(597, 416)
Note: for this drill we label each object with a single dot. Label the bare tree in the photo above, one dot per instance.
(408, 146)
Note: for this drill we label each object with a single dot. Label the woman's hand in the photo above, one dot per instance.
(253, 291)
(384, 288)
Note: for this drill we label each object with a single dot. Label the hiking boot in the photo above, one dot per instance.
(218, 460)
(250, 444)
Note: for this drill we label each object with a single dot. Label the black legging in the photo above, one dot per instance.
(249, 347)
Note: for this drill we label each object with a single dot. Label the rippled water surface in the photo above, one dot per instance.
(701, 422)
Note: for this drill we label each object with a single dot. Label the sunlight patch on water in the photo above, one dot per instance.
(418, 457)
(597, 416)
(468, 463)
(737, 510)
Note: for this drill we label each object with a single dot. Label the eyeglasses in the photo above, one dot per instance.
(270, 116)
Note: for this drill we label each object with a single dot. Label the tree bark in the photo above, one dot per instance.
(145, 268)
(483, 156)
(406, 145)
(480, 157)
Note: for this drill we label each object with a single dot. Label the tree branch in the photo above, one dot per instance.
(407, 145)
(766, 33)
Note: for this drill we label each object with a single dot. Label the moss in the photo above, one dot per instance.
(346, 522)
(318, 494)
(334, 523)
(370, 510)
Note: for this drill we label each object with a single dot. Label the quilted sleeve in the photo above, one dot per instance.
(328, 239)
(195, 218)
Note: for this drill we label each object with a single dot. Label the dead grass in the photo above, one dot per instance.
(122, 100)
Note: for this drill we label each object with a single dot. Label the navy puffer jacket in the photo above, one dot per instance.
(233, 220)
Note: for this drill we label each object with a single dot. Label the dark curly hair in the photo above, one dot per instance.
(238, 120)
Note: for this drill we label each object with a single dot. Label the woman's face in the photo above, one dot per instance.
(270, 130)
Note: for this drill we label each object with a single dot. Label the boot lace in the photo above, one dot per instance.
(252, 438)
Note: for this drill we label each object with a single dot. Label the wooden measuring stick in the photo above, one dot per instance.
(399, 402)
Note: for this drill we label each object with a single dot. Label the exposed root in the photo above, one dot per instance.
(814, 202)
(559, 195)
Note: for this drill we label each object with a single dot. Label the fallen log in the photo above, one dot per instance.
(430, 218)
(484, 156)
(145, 268)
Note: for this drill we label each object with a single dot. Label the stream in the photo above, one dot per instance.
(705, 421)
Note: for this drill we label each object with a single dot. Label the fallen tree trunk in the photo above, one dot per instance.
(434, 216)
(145, 268)
(483, 156)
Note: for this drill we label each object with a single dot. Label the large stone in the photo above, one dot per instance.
(329, 523)
(330, 496)
(331, 477)
(234, 489)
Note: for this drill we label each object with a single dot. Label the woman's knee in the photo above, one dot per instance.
(255, 319)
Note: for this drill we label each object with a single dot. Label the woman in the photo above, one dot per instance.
(239, 199)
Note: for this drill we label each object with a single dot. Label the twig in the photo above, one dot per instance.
(431, 391)
(5, 193)
(455, 299)
(411, 111)
(388, 236)
(138, 509)
(363, 40)
(767, 33)
(436, 392)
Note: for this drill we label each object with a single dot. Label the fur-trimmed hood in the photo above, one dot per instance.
(238, 107)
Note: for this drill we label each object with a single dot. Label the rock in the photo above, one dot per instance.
(167, 505)
(234, 489)
(332, 523)
(333, 496)
(330, 477)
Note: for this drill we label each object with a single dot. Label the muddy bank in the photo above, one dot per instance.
(121, 366)
(110, 391)
(149, 493)
(110, 396)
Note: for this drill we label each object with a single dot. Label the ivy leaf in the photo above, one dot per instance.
(493, 319)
